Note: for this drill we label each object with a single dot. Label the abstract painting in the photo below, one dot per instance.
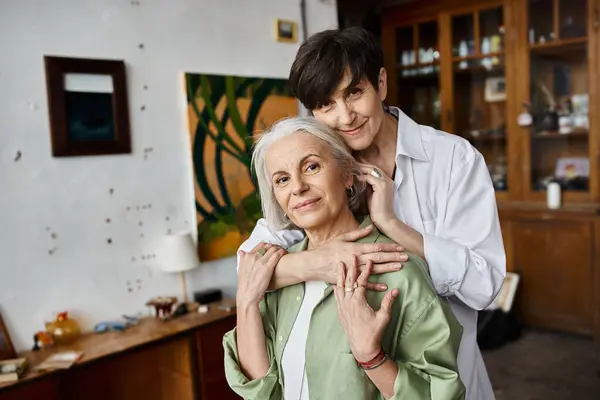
(225, 113)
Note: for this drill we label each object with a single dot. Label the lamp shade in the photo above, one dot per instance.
(179, 253)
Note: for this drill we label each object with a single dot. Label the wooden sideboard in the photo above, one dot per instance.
(177, 359)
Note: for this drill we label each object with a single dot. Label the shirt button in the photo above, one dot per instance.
(298, 299)
(280, 338)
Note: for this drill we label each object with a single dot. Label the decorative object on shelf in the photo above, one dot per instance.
(64, 330)
(42, 339)
(495, 89)
(163, 306)
(286, 30)
(88, 106)
(525, 119)
(7, 350)
(62, 360)
(106, 326)
(12, 370)
(180, 255)
(553, 195)
(224, 113)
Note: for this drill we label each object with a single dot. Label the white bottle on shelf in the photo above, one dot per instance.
(553, 195)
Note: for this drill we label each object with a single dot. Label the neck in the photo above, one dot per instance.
(383, 149)
(343, 223)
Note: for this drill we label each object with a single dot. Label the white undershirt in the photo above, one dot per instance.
(295, 385)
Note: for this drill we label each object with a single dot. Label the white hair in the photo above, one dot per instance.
(272, 211)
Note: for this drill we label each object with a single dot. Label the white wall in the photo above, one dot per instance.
(54, 253)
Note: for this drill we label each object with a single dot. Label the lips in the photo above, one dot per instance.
(306, 203)
(352, 132)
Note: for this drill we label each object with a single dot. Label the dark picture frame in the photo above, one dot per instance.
(7, 350)
(87, 122)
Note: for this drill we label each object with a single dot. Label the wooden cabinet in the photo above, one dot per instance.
(478, 68)
(211, 368)
(178, 359)
(557, 281)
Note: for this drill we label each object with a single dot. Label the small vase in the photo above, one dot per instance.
(64, 329)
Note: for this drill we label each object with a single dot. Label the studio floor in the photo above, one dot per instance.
(545, 366)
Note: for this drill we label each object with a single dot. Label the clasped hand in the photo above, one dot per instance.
(255, 272)
(364, 326)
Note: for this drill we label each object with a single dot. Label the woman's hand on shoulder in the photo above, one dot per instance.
(386, 257)
(364, 326)
(380, 194)
(255, 272)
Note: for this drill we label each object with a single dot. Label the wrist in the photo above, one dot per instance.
(365, 356)
(244, 305)
(376, 361)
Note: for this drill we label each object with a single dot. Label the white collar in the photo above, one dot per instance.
(410, 141)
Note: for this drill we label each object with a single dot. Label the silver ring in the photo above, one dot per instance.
(375, 172)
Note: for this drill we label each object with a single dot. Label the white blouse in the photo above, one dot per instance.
(295, 386)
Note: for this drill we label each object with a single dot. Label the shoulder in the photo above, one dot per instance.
(413, 275)
(438, 142)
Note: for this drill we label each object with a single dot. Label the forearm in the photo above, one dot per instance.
(292, 268)
(251, 342)
(384, 377)
(404, 235)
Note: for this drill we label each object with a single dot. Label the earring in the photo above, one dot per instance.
(285, 216)
(350, 191)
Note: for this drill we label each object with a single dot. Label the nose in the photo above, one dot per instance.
(347, 115)
(299, 186)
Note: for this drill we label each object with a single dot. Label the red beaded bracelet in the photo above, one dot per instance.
(375, 362)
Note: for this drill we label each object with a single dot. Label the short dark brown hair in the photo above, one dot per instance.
(322, 60)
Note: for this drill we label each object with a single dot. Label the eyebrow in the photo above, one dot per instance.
(301, 162)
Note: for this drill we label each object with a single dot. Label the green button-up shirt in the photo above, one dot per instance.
(422, 337)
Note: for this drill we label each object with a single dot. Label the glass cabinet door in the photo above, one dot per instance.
(418, 77)
(479, 111)
(558, 107)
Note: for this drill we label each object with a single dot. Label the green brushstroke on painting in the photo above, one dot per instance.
(222, 216)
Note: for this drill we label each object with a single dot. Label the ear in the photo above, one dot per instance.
(382, 89)
(349, 176)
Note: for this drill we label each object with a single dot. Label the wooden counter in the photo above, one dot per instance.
(177, 359)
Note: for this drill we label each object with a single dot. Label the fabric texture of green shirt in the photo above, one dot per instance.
(422, 337)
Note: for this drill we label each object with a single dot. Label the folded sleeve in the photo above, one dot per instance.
(428, 350)
(263, 233)
(265, 388)
(466, 254)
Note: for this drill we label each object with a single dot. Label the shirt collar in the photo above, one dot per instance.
(410, 141)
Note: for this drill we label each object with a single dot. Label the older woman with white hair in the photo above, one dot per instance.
(320, 341)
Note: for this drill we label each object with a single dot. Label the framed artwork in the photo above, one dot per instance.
(286, 30)
(87, 105)
(225, 113)
(7, 350)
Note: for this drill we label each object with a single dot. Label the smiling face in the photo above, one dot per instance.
(355, 111)
(308, 183)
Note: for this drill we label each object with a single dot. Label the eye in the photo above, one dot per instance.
(325, 106)
(312, 167)
(355, 92)
(282, 180)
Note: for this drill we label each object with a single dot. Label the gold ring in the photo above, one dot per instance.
(375, 172)
(356, 285)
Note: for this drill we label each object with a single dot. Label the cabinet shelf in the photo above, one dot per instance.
(477, 56)
(560, 46)
(556, 135)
